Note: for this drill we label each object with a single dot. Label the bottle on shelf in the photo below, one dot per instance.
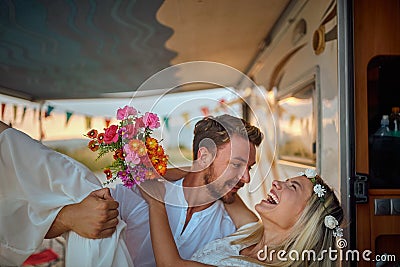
(394, 121)
(384, 130)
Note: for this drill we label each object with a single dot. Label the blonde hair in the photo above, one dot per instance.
(308, 234)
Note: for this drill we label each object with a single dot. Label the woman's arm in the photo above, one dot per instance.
(164, 247)
(175, 174)
(3, 126)
(240, 213)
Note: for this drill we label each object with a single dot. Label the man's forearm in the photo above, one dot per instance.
(60, 224)
(96, 216)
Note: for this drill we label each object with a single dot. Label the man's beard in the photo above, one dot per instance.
(216, 192)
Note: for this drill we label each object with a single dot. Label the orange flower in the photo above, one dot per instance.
(138, 146)
(151, 143)
(92, 133)
(100, 138)
(164, 159)
(150, 175)
(93, 145)
(160, 151)
(161, 169)
(108, 173)
(154, 160)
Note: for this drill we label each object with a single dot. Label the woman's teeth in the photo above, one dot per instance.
(272, 199)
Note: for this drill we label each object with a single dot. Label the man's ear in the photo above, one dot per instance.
(204, 157)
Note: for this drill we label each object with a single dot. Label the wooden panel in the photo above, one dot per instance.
(380, 234)
(376, 25)
(363, 230)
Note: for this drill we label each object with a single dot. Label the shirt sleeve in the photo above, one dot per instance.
(36, 182)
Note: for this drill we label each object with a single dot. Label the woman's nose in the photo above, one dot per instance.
(277, 184)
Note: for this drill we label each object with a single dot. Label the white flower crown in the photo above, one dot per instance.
(329, 221)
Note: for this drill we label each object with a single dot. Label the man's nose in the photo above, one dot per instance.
(245, 177)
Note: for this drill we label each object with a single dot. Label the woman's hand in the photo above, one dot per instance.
(164, 247)
(153, 191)
(174, 174)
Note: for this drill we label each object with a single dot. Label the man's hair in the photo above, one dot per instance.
(220, 129)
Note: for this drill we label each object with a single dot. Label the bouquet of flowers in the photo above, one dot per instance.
(137, 155)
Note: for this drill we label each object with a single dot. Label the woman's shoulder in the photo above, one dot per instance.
(217, 250)
(222, 252)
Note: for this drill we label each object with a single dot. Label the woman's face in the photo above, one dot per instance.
(285, 202)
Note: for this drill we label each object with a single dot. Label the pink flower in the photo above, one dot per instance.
(123, 113)
(131, 156)
(110, 134)
(151, 120)
(139, 122)
(146, 161)
(128, 131)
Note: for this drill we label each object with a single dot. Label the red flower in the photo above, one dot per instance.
(100, 138)
(93, 145)
(108, 173)
(118, 154)
(111, 135)
(92, 133)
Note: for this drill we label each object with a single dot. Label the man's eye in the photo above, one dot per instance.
(236, 165)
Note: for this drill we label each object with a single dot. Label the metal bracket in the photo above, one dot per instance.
(361, 188)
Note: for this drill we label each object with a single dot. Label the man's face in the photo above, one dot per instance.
(230, 169)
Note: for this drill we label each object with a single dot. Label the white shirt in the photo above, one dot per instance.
(36, 182)
(214, 221)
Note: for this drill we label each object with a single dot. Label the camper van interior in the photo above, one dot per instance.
(322, 75)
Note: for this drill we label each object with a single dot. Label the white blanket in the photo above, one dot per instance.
(35, 183)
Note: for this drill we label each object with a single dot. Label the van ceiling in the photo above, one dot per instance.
(66, 49)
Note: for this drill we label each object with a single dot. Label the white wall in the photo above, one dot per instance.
(304, 63)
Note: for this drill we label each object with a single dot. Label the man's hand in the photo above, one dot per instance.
(96, 216)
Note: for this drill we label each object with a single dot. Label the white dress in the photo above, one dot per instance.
(219, 252)
(35, 183)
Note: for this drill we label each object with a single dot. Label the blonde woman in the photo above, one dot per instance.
(299, 217)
